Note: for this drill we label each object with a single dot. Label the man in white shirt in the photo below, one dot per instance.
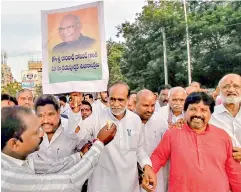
(163, 96)
(153, 126)
(20, 136)
(227, 115)
(117, 170)
(64, 106)
(101, 103)
(75, 102)
(56, 143)
(89, 97)
(173, 113)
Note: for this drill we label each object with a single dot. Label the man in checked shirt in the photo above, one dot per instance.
(21, 135)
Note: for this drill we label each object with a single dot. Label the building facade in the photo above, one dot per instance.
(6, 75)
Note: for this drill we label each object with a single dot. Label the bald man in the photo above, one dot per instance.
(173, 113)
(195, 84)
(70, 32)
(227, 115)
(153, 126)
(191, 89)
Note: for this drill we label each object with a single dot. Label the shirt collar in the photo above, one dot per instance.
(220, 109)
(13, 160)
(181, 115)
(191, 130)
(56, 134)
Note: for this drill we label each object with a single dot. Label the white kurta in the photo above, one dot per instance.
(223, 119)
(157, 106)
(153, 130)
(117, 167)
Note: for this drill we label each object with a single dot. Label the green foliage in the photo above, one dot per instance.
(38, 90)
(115, 54)
(215, 41)
(12, 88)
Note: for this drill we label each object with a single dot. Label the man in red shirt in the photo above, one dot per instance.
(200, 154)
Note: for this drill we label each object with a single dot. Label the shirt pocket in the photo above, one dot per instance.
(133, 139)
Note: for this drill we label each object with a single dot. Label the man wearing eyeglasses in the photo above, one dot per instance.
(227, 115)
(70, 32)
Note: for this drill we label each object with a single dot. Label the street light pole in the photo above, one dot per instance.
(165, 55)
(188, 46)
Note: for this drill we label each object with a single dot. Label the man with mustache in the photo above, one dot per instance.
(86, 109)
(56, 144)
(25, 98)
(117, 170)
(227, 115)
(101, 103)
(173, 113)
(163, 96)
(154, 127)
(21, 136)
(200, 154)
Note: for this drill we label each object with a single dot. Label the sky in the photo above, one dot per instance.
(21, 26)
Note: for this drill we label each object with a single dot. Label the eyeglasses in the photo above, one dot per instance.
(61, 29)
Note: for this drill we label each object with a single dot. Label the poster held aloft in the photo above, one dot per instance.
(74, 49)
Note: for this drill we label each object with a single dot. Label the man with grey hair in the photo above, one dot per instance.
(121, 156)
(227, 115)
(25, 98)
(70, 32)
(173, 113)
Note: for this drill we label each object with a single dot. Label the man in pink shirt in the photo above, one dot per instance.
(200, 154)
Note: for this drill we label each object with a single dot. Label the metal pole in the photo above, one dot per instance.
(188, 46)
(165, 55)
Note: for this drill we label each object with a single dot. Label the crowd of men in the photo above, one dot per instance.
(177, 140)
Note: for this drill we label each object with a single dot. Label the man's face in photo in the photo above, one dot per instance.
(69, 29)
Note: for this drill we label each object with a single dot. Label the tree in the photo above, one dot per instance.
(12, 88)
(114, 53)
(38, 90)
(215, 41)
